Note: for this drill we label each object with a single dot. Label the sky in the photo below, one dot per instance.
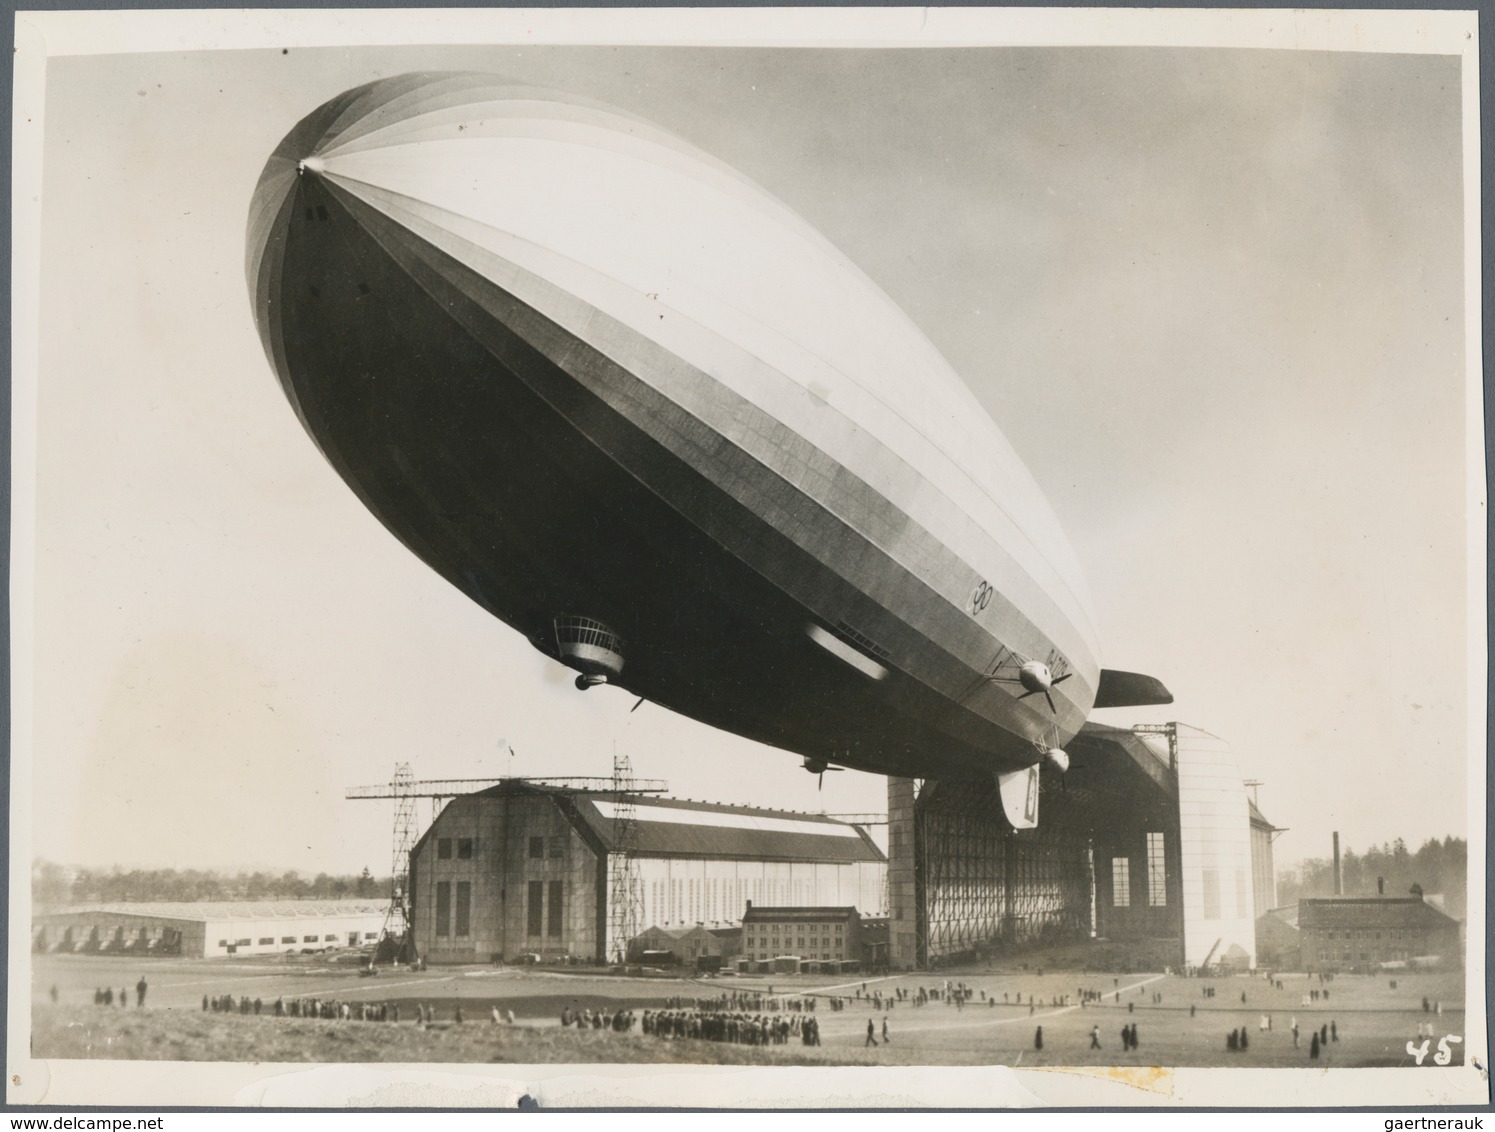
(1214, 299)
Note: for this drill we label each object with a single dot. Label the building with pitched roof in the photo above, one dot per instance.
(1359, 933)
(523, 869)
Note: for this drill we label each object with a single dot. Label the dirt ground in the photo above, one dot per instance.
(1179, 1027)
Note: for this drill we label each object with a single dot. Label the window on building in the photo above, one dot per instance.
(443, 848)
(443, 907)
(464, 848)
(557, 910)
(245, 942)
(266, 940)
(1121, 882)
(464, 908)
(308, 939)
(1157, 878)
(536, 907)
(287, 939)
(536, 848)
(1211, 882)
(370, 935)
(557, 848)
(325, 939)
(224, 942)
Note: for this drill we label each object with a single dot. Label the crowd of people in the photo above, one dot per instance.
(337, 1010)
(735, 1027)
(618, 1021)
(750, 1000)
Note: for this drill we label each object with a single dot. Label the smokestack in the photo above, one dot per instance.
(1380, 886)
(1338, 875)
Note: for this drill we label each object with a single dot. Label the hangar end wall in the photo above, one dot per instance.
(501, 877)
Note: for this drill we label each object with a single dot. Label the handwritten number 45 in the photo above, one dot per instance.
(1444, 1054)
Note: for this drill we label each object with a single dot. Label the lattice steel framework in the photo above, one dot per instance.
(624, 899)
(397, 918)
(980, 882)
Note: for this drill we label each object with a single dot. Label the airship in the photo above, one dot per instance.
(639, 410)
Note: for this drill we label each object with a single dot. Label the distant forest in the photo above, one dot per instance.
(1438, 867)
(53, 884)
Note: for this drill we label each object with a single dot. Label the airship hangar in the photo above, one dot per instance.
(637, 409)
(1151, 854)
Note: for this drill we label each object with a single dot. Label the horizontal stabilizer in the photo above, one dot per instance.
(1130, 689)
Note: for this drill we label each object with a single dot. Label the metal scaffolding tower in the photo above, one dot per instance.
(397, 917)
(623, 897)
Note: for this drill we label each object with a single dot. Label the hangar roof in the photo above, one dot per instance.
(675, 827)
(768, 914)
(1374, 911)
(669, 827)
(233, 910)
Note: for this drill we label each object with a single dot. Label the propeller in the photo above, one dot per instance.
(1037, 677)
(818, 767)
(1053, 754)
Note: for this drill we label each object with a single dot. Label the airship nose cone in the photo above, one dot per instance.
(310, 165)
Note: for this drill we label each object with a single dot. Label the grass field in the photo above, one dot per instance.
(1374, 1022)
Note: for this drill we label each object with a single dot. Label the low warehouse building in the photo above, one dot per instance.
(206, 930)
(523, 868)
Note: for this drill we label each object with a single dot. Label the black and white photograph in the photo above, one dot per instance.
(573, 554)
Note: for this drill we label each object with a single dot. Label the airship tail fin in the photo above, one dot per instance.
(1130, 689)
(1019, 793)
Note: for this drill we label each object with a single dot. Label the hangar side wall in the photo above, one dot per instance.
(680, 891)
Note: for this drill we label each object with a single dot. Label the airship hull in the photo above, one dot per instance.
(555, 439)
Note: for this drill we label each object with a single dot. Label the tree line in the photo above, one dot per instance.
(53, 884)
(1437, 867)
